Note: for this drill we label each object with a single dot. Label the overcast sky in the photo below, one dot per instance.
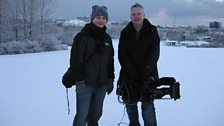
(161, 12)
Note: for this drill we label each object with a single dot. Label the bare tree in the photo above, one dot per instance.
(3, 15)
(1, 10)
(31, 12)
(45, 8)
(24, 16)
(35, 12)
(29, 17)
(15, 19)
(28, 11)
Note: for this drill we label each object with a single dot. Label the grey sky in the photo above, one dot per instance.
(162, 12)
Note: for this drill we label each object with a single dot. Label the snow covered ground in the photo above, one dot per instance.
(31, 93)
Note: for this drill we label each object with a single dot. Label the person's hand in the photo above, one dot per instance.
(110, 86)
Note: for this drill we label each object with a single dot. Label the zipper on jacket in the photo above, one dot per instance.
(98, 76)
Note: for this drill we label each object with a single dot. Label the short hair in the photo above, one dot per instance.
(137, 5)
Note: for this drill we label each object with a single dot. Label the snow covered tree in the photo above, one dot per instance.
(3, 17)
(25, 27)
(45, 8)
(28, 11)
(15, 21)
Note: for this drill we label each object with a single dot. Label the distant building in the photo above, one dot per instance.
(171, 43)
(86, 19)
(205, 38)
(75, 22)
(215, 24)
(184, 43)
(112, 23)
(60, 20)
(115, 23)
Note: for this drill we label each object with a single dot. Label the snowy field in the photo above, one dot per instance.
(31, 93)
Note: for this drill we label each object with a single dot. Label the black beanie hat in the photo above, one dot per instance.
(99, 11)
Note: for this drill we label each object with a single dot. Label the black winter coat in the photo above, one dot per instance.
(92, 56)
(138, 55)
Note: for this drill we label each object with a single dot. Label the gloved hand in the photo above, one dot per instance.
(148, 86)
(110, 86)
(152, 82)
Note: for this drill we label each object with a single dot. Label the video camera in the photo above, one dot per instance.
(164, 86)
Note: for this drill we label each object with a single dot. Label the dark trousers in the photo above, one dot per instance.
(89, 105)
(148, 114)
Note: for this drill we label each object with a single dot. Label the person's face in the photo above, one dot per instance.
(99, 21)
(137, 15)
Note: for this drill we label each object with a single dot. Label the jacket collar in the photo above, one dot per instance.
(147, 26)
(95, 32)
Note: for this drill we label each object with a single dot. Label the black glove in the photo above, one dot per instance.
(67, 79)
(148, 87)
(110, 86)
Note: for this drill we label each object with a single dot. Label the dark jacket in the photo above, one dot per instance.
(92, 56)
(138, 54)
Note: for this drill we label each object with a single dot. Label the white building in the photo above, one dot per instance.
(75, 22)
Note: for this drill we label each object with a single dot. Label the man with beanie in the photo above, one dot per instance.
(92, 64)
(138, 53)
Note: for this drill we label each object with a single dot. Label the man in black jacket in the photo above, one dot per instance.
(138, 53)
(92, 65)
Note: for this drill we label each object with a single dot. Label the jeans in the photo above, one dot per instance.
(148, 114)
(89, 105)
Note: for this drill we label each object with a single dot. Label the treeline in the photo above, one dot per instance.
(181, 33)
(215, 37)
(24, 27)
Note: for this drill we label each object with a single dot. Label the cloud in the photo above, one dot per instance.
(219, 0)
(195, 8)
(160, 17)
(189, 1)
(189, 12)
(159, 11)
